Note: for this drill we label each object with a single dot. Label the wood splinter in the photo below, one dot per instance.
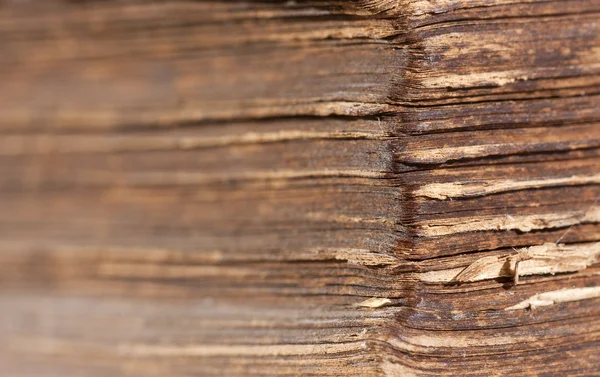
(549, 258)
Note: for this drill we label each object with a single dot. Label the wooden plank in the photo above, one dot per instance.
(390, 187)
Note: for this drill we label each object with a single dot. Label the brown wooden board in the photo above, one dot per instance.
(254, 188)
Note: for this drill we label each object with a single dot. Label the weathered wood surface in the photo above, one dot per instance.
(402, 188)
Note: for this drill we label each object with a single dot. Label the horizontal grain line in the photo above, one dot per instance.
(443, 191)
(492, 20)
(521, 223)
(19, 145)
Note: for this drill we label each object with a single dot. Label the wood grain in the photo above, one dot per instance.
(369, 188)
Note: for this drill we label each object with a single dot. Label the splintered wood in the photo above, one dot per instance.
(544, 259)
(299, 188)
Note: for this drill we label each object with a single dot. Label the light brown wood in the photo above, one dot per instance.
(369, 188)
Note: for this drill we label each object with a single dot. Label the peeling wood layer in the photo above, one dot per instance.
(546, 259)
(556, 297)
(444, 191)
(521, 223)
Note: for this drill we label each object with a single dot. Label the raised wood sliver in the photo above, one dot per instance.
(400, 188)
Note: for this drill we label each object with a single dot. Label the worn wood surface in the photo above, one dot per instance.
(391, 187)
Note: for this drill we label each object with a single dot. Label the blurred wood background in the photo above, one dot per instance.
(238, 188)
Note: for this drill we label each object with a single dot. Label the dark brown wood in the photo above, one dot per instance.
(369, 188)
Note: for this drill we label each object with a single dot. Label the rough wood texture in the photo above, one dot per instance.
(391, 187)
